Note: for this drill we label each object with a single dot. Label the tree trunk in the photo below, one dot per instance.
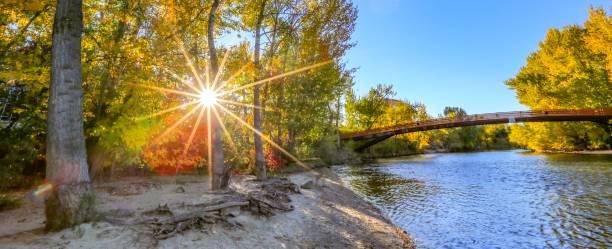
(291, 139)
(339, 141)
(260, 162)
(218, 174)
(280, 106)
(71, 199)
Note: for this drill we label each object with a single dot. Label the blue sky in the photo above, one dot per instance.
(451, 52)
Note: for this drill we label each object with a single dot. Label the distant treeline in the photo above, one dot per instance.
(379, 109)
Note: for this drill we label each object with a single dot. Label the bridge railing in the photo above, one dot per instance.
(477, 117)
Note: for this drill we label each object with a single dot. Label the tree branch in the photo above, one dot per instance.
(23, 30)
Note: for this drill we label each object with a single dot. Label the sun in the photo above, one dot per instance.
(208, 97)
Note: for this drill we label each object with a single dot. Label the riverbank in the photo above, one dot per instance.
(325, 214)
(374, 159)
(582, 152)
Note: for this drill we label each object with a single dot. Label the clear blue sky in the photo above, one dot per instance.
(451, 52)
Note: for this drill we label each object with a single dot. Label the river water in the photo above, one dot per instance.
(507, 199)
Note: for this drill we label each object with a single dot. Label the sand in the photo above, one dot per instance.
(325, 216)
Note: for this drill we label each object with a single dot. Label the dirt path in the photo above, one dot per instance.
(327, 215)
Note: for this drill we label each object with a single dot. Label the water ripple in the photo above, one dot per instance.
(494, 199)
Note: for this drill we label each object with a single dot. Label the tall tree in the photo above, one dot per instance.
(219, 176)
(571, 70)
(71, 199)
(260, 162)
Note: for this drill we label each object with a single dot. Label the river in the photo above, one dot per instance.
(506, 199)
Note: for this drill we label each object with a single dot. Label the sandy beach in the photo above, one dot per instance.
(326, 215)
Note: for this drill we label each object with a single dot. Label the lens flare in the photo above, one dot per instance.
(210, 92)
(42, 191)
(208, 97)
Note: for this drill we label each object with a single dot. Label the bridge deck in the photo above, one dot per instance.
(596, 115)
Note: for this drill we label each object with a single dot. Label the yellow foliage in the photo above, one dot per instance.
(571, 70)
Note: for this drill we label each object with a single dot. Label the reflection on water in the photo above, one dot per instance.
(506, 199)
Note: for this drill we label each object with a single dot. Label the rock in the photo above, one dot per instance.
(180, 190)
(308, 185)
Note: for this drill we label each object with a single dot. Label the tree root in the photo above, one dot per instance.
(265, 199)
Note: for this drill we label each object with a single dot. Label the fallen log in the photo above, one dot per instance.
(261, 198)
(203, 210)
(168, 227)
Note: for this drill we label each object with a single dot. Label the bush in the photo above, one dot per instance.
(327, 149)
(394, 146)
(8, 202)
(19, 162)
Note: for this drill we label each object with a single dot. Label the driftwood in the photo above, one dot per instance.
(263, 198)
(272, 195)
(164, 228)
(203, 211)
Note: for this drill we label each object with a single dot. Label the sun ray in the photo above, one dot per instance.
(209, 138)
(193, 132)
(204, 76)
(220, 70)
(208, 92)
(168, 110)
(183, 81)
(246, 105)
(190, 64)
(277, 77)
(161, 89)
(225, 131)
(240, 71)
(178, 123)
(300, 163)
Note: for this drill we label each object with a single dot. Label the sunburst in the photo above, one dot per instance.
(207, 97)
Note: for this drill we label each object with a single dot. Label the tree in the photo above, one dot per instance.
(71, 200)
(454, 112)
(461, 138)
(260, 162)
(294, 111)
(371, 108)
(219, 175)
(129, 47)
(599, 35)
(25, 64)
(571, 70)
